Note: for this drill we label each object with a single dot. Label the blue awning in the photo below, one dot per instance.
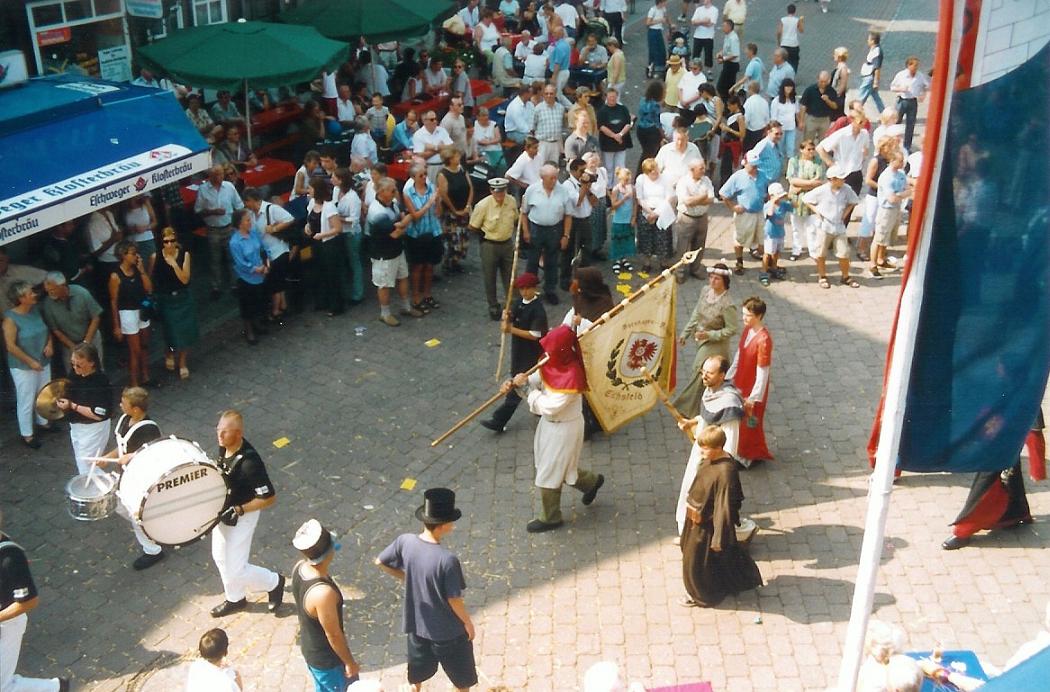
(70, 145)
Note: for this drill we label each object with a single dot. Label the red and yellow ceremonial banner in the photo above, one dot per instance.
(639, 337)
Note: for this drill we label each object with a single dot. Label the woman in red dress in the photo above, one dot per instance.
(750, 373)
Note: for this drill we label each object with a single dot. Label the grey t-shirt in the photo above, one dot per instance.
(432, 576)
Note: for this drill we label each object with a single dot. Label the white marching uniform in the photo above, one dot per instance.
(147, 545)
(231, 546)
(89, 440)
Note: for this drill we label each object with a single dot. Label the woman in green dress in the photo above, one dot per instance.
(715, 320)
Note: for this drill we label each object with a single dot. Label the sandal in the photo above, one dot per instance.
(169, 362)
(850, 281)
(421, 306)
(431, 303)
(763, 279)
(823, 282)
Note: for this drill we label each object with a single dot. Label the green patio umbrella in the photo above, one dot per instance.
(374, 20)
(255, 55)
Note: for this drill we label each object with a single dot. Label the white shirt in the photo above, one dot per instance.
(328, 210)
(509, 7)
(526, 169)
(523, 50)
(489, 36)
(910, 86)
(614, 5)
(674, 164)
(424, 139)
(701, 13)
(569, 16)
(535, 68)
(756, 112)
(225, 198)
(349, 206)
(784, 113)
(832, 205)
(914, 164)
(659, 17)
(688, 89)
(208, 677)
(328, 87)
(363, 145)
(849, 151)
(789, 31)
(515, 119)
(547, 208)
(345, 111)
(688, 186)
(581, 210)
(99, 231)
(469, 17)
(271, 215)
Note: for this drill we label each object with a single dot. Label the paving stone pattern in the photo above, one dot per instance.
(360, 411)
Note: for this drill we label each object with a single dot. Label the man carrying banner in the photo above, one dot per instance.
(555, 394)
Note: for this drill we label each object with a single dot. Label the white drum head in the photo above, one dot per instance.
(183, 503)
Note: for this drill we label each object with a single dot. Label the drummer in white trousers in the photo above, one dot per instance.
(88, 402)
(18, 596)
(250, 492)
(134, 430)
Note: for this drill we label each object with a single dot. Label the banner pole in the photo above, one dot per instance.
(679, 418)
(506, 303)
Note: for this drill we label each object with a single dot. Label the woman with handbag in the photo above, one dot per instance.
(455, 193)
(131, 305)
(178, 312)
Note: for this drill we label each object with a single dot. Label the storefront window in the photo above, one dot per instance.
(87, 37)
(209, 12)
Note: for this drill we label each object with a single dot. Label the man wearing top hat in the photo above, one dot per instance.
(526, 322)
(435, 619)
(319, 606)
(555, 393)
(494, 217)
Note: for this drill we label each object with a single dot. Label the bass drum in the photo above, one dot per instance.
(173, 491)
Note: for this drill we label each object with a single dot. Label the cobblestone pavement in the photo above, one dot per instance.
(359, 412)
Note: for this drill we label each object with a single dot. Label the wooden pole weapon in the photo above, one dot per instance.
(506, 302)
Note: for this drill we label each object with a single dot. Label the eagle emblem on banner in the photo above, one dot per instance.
(639, 352)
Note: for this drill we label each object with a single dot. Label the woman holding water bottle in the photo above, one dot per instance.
(750, 373)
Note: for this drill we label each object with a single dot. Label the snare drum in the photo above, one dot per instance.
(173, 491)
(91, 496)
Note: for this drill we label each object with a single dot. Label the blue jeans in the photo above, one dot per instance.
(868, 89)
(657, 49)
(330, 679)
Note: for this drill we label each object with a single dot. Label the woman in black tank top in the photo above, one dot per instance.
(129, 286)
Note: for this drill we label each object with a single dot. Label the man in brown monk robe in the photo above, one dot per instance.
(714, 564)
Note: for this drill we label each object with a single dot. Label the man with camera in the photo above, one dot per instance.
(581, 202)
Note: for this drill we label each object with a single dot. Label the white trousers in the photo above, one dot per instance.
(89, 440)
(230, 549)
(867, 222)
(147, 545)
(550, 151)
(28, 384)
(559, 84)
(11, 632)
(803, 233)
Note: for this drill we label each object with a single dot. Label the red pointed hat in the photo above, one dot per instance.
(563, 372)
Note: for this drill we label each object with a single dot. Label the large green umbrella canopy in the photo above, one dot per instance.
(374, 20)
(254, 54)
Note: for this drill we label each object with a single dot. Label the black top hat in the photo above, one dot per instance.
(439, 507)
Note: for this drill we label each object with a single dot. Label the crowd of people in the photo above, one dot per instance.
(556, 188)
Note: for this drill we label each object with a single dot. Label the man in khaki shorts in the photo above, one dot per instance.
(832, 203)
(744, 194)
(387, 226)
